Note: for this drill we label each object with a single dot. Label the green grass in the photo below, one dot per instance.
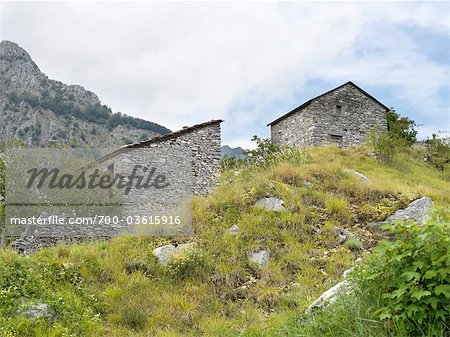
(117, 288)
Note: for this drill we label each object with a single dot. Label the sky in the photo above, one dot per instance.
(183, 63)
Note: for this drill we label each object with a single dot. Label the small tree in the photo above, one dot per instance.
(401, 128)
(264, 149)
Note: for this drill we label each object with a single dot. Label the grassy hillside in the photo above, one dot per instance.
(117, 288)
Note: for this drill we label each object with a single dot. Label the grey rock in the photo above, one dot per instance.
(416, 210)
(307, 183)
(233, 230)
(163, 253)
(261, 258)
(343, 235)
(35, 310)
(361, 177)
(270, 204)
(330, 296)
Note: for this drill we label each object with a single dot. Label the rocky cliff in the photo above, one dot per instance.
(45, 112)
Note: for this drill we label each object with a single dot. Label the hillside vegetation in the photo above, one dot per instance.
(117, 288)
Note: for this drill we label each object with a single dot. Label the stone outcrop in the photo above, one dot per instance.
(343, 116)
(331, 295)
(416, 210)
(261, 258)
(360, 176)
(164, 253)
(41, 111)
(270, 204)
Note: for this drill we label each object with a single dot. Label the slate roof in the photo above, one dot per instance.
(160, 138)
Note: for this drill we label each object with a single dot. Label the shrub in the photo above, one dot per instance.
(412, 274)
(263, 152)
(384, 145)
(400, 134)
(354, 244)
(438, 153)
(188, 262)
(133, 317)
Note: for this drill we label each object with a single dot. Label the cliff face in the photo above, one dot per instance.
(43, 112)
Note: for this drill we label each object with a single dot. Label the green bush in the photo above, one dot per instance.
(412, 274)
(399, 135)
(438, 153)
(134, 317)
(354, 244)
(401, 128)
(384, 145)
(188, 262)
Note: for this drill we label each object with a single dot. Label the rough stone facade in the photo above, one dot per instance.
(202, 142)
(343, 116)
(190, 161)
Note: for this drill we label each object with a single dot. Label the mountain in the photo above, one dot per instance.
(237, 152)
(43, 112)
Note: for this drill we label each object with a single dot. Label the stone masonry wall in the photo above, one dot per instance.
(203, 144)
(344, 116)
(190, 160)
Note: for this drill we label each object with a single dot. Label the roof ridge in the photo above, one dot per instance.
(159, 138)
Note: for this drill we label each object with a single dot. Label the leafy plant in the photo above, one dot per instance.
(413, 274)
(438, 152)
(264, 150)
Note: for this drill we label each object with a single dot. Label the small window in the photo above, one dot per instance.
(336, 138)
(339, 109)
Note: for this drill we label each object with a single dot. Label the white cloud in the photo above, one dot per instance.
(182, 63)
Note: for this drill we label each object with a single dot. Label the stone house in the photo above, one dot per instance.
(343, 116)
(199, 143)
(188, 160)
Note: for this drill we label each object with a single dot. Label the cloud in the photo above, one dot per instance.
(182, 63)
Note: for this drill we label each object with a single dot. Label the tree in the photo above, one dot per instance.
(401, 128)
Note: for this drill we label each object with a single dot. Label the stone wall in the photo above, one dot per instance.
(343, 116)
(202, 143)
(188, 159)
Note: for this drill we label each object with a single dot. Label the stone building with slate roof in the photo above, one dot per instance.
(343, 116)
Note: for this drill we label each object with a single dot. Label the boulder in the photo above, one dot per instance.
(270, 204)
(330, 296)
(163, 253)
(361, 177)
(233, 230)
(261, 258)
(416, 210)
(35, 310)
